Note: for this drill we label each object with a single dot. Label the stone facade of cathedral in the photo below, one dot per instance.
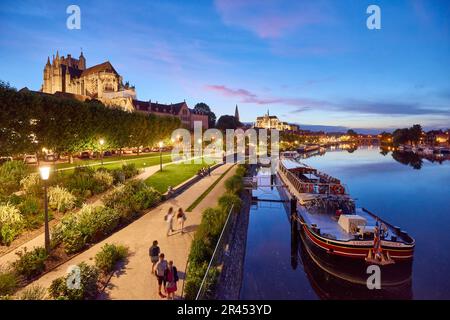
(68, 76)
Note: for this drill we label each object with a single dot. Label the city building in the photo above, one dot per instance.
(181, 110)
(69, 77)
(272, 122)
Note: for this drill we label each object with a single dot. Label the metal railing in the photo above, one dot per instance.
(212, 271)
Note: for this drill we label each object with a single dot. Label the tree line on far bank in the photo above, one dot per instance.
(31, 121)
(410, 135)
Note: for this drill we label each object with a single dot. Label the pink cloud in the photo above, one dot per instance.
(269, 19)
(246, 96)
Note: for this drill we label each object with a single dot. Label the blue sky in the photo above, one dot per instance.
(309, 62)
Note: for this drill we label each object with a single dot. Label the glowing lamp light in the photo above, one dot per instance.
(101, 141)
(44, 172)
(160, 144)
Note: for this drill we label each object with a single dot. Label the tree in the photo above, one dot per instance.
(351, 133)
(415, 133)
(203, 107)
(30, 121)
(227, 122)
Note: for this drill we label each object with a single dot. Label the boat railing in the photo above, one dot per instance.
(335, 188)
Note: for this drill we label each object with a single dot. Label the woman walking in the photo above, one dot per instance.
(181, 217)
(169, 218)
(171, 277)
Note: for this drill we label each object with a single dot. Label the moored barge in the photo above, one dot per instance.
(333, 226)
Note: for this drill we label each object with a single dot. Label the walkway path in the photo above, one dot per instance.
(136, 281)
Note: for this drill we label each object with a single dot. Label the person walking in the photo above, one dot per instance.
(169, 219)
(153, 252)
(209, 170)
(181, 217)
(160, 273)
(171, 277)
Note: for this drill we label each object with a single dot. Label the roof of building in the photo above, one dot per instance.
(173, 108)
(158, 107)
(264, 117)
(105, 66)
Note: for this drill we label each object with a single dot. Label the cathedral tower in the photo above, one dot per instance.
(236, 113)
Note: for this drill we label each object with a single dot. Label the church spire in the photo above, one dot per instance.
(236, 113)
(48, 61)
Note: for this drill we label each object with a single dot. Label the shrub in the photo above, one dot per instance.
(228, 200)
(31, 184)
(129, 170)
(195, 275)
(11, 173)
(29, 205)
(34, 292)
(212, 221)
(83, 184)
(104, 178)
(8, 282)
(241, 170)
(88, 284)
(109, 255)
(87, 225)
(11, 223)
(60, 199)
(234, 184)
(32, 212)
(132, 197)
(30, 263)
(200, 250)
(118, 176)
(206, 237)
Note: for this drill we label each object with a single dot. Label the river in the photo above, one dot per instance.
(406, 191)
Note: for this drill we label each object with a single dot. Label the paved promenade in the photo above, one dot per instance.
(135, 281)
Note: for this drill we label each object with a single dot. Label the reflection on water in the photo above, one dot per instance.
(333, 280)
(278, 265)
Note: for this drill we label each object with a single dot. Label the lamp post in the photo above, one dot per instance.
(101, 141)
(45, 173)
(160, 155)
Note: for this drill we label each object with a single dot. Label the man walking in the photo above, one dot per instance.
(153, 252)
(161, 267)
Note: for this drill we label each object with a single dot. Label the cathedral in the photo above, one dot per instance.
(69, 77)
(102, 82)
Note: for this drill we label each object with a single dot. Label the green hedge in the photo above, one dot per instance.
(208, 232)
(110, 254)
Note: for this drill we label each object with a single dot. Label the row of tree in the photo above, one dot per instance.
(31, 121)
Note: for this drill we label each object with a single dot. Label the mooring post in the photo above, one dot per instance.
(293, 205)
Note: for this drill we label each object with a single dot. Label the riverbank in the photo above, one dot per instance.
(230, 282)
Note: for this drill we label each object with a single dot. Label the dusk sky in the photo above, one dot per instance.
(308, 62)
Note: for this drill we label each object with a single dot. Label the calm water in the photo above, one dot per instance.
(418, 200)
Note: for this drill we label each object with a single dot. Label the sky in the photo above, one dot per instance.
(308, 62)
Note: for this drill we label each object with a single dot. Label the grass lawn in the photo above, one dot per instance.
(207, 191)
(140, 161)
(173, 175)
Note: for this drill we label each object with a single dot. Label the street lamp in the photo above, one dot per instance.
(102, 142)
(160, 155)
(45, 173)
